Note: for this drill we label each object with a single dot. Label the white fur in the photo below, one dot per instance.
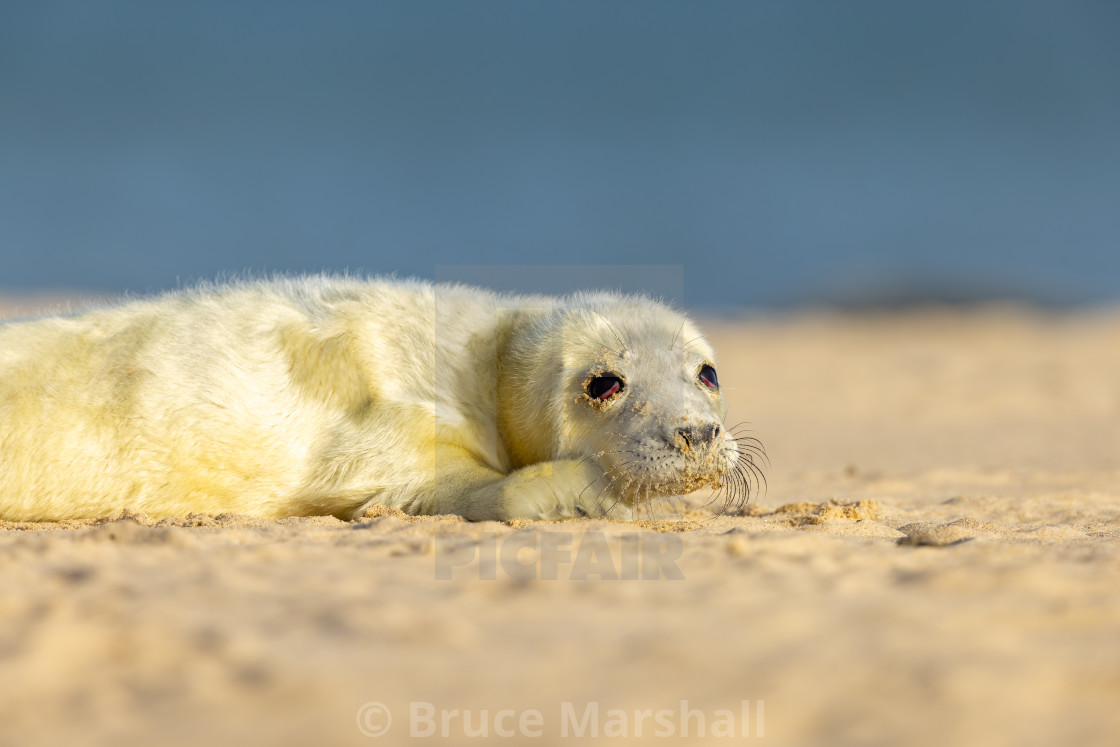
(325, 395)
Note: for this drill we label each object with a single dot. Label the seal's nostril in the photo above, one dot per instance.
(693, 437)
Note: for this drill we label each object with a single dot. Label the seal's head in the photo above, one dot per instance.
(635, 386)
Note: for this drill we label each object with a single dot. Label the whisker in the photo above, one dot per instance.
(604, 453)
(614, 331)
(678, 334)
(608, 348)
(621, 471)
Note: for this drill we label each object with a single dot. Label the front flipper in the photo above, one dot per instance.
(562, 489)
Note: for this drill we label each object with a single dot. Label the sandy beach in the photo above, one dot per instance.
(935, 561)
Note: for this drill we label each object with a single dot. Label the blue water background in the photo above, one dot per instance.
(777, 153)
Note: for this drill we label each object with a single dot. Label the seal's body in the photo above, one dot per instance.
(326, 395)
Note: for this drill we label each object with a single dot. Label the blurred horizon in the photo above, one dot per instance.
(868, 154)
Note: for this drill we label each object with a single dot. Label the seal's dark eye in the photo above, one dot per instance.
(708, 377)
(604, 387)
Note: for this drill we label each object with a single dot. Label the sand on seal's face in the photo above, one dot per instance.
(936, 562)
